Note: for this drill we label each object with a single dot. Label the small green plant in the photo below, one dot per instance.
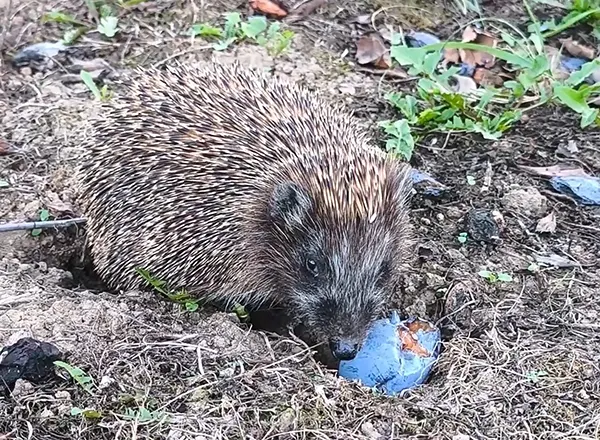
(4, 184)
(108, 26)
(180, 296)
(44, 216)
(78, 375)
(61, 17)
(400, 142)
(143, 415)
(536, 376)
(257, 29)
(90, 414)
(462, 237)
(495, 277)
(448, 103)
(102, 94)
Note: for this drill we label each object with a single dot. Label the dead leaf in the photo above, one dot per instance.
(547, 224)
(576, 49)
(384, 61)
(486, 77)
(554, 171)
(268, 7)
(410, 342)
(309, 7)
(477, 58)
(369, 49)
(56, 206)
(451, 56)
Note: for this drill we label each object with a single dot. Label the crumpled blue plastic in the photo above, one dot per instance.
(426, 184)
(584, 189)
(381, 363)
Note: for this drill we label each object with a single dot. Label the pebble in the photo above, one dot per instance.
(526, 201)
(62, 395)
(22, 388)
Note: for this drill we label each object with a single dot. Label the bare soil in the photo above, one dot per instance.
(521, 359)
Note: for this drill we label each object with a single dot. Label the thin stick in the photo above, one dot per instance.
(40, 225)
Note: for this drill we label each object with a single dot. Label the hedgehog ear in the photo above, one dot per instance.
(290, 204)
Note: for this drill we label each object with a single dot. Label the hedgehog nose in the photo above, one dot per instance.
(343, 350)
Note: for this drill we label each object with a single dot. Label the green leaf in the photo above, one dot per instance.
(191, 306)
(205, 30)
(504, 277)
(232, 22)
(254, 26)
(588, 117)
(571, 98)
(430, 62)
(36, 232)
(462, 237)
(537, 41)
(44, 215)
(87, 413)
(485, 273)
(224, 44)
(61, 17)
(580, 75)
(72, 35)
(108, 26)
(87, 79)
(408, 56)
(4, 184)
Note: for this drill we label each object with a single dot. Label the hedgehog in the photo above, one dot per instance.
(246, 188)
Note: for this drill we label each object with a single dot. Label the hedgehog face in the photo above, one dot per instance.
(337, 276)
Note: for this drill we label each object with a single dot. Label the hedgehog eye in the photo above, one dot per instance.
(311, 266)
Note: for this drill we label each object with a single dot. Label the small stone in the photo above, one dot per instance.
(22, 388)
(105, 382)
(368, 429)
(62, 395)
(482, 226)
(46, 414)
(526, 201)
(440, 217)
(26, 71)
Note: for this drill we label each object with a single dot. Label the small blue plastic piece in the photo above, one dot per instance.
(420, 39)
(383, 363)
(584, 189)
(37, 52)
(570, 64)
(466, 70)
(426, 184)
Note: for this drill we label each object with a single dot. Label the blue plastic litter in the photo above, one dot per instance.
(389, 365)
(426, 184)
(584, 189)
(570, 64)
(466, 70)
(420, 39)
(37, 52)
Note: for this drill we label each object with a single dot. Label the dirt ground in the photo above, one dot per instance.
(521, 359)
